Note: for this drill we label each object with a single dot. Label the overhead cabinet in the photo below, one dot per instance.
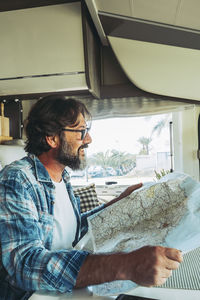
(45, 49)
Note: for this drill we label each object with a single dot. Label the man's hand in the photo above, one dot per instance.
(147, 266)
(125, 193)
(150, 266)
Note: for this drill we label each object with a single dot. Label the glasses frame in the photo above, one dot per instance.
(83, 131)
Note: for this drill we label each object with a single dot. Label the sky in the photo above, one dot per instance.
(123, 133)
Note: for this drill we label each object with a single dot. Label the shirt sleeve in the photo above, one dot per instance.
(30, 266)
(84, 217)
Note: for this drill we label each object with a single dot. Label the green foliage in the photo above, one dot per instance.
(161, 173)
(112, 158)
(145, 141)
(161, 124)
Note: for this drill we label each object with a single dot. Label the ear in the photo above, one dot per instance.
(52, 141)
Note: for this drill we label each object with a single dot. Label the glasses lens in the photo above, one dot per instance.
(84, 133)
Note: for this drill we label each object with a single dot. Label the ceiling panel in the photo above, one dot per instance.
(183, 13)
(115, 6)
(156, 54)
(6, 5)
(155, 10)
(189, 14)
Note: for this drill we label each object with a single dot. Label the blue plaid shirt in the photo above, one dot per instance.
(27, 197)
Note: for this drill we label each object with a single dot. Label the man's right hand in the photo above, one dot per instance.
(151, 265)
(147, 266)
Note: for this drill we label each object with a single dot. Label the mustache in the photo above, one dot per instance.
(83, 146)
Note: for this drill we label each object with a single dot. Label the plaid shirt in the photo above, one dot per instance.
(27, 197)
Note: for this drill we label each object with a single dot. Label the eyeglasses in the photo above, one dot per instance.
(83, 131)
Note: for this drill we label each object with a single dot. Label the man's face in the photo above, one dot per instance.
(71, 151)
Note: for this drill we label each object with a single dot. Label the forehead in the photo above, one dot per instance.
(80, 120)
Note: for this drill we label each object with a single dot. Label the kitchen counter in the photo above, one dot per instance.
(152, 293)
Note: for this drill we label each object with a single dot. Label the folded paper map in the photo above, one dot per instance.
(164, 213)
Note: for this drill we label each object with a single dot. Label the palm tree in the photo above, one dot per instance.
(101, 159)
(123, 161)
(145, 144)
(161, 124)
(114, 158)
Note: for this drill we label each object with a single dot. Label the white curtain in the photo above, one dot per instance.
(129, 107)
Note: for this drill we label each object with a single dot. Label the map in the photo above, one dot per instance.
(143, 218)
(164, 213)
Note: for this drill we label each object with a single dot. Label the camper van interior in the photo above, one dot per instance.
(135, 64)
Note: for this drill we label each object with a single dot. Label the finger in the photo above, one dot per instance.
(174, 254)
(139, 185)
(172, 264)
(166, 273)
(136, 186)
(163, 277)
(160, 281)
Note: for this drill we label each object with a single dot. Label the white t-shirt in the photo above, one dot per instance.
(65, 222)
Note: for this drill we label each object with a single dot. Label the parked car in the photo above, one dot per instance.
(77, 173)
(96, 171)
(110, 171)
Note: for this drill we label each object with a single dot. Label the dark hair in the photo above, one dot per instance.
(47, 117)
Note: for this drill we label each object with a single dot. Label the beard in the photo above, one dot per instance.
(66, 157)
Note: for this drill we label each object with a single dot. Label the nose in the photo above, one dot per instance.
(87, 139)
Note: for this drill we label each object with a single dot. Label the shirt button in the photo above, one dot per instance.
(52, 202)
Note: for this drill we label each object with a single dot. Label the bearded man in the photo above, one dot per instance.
(40, 219)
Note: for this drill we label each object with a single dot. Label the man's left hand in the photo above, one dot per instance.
(125, 193)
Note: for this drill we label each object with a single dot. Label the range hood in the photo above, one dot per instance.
(46, 49)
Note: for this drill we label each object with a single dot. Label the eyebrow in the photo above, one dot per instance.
(78, 124)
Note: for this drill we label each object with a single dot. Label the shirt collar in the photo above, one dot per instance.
(41, 172)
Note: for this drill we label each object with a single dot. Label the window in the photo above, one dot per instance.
(127, 151)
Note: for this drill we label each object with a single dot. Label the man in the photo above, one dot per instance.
(40, 217)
